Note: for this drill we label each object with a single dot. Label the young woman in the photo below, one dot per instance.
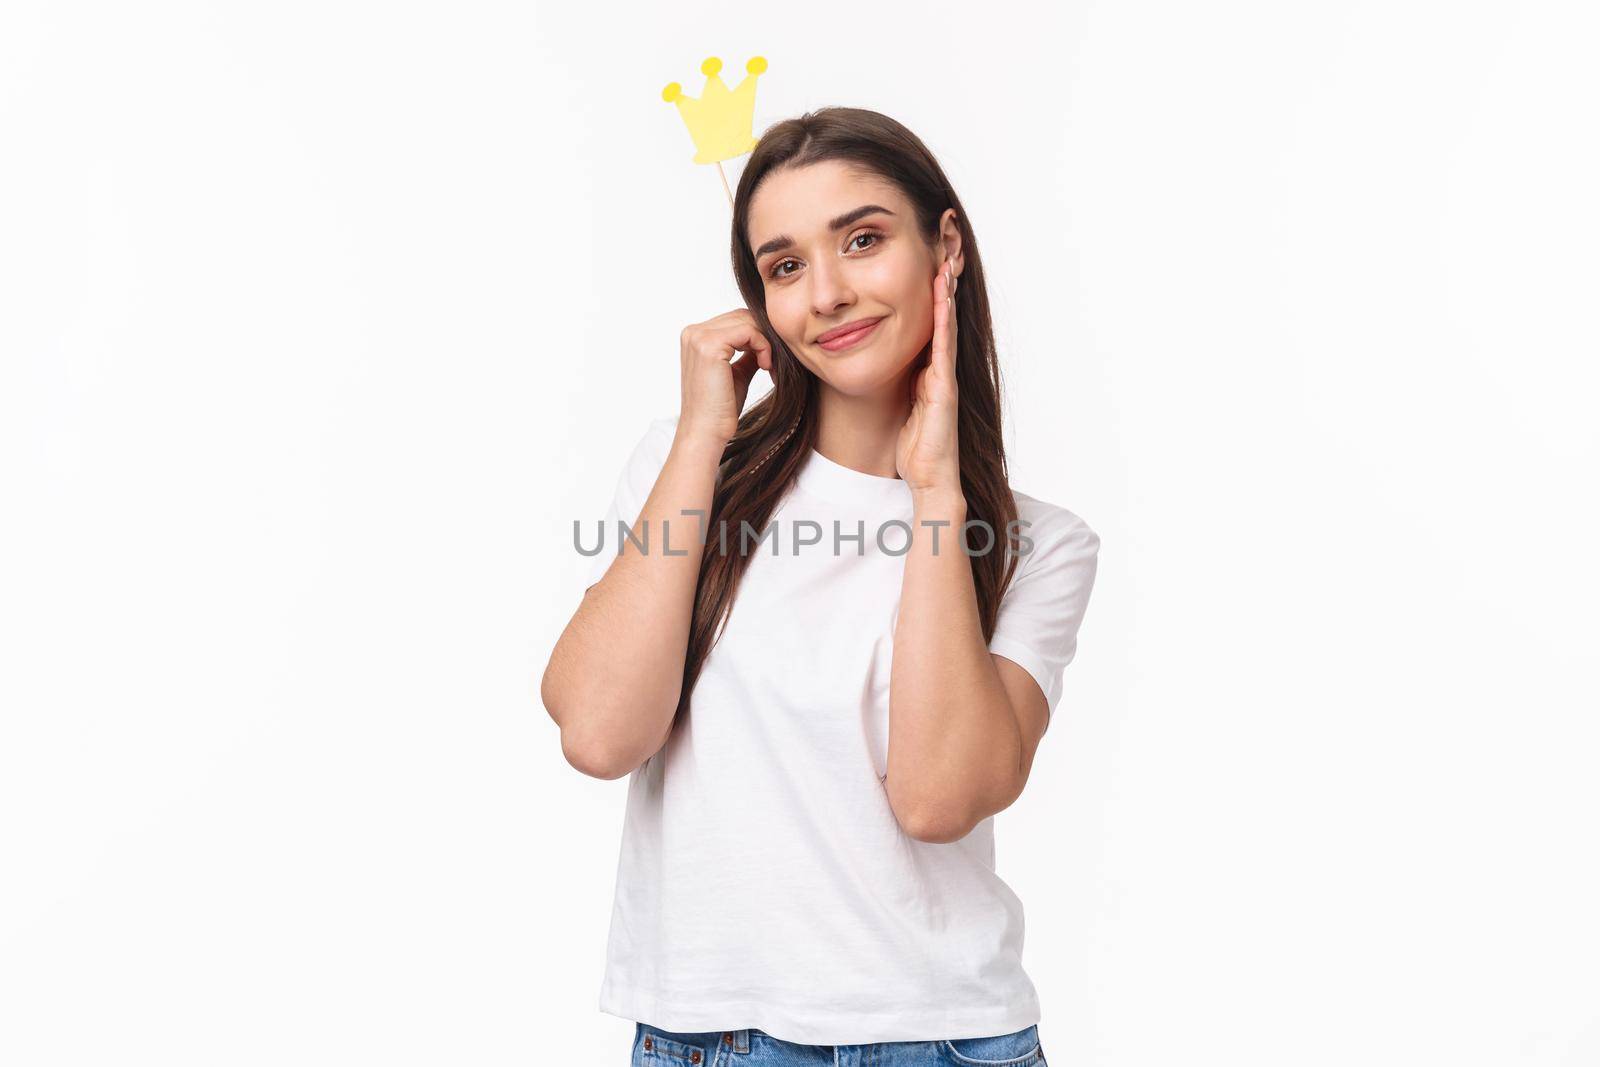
(830, 646)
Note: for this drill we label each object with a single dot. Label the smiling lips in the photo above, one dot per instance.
(849, 334)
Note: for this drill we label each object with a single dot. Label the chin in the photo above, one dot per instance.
(862, 376)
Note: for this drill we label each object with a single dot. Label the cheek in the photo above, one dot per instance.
(787, 314)
(891, 279)
(912, 301)
(790, 315)
(897, 281)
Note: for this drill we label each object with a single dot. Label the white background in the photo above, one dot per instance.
(321, 322)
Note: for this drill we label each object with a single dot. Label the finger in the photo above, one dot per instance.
(744, 369)
(745, 337)
(942, 356)
(952, 329)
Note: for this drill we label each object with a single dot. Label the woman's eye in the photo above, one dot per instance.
(777, 271)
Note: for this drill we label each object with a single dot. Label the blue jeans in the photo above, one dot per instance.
(653, 1047)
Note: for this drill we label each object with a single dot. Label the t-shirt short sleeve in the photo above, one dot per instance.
(638, 477)
(1037, 627)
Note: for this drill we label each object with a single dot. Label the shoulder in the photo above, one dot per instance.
(1049, 529)
(661, 430)
(1047, 597)
(652, 444)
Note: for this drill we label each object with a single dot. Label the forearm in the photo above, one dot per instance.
(616, 673)
(954, 742)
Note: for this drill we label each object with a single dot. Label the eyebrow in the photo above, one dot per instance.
(783, 240)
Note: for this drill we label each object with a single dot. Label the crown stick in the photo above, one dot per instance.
(720, 120)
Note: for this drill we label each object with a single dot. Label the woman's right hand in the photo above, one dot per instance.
(714, 384)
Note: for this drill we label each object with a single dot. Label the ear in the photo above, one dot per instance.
(949, 241)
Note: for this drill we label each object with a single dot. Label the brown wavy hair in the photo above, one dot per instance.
(778, 432)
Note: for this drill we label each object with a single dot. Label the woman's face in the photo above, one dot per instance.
(872, 265)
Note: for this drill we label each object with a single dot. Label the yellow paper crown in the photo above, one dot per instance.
(720, 121)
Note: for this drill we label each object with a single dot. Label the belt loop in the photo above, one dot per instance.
(741, 1041)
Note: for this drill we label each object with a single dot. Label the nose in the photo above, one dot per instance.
(830, 290)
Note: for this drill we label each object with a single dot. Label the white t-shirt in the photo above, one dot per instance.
(763, 880)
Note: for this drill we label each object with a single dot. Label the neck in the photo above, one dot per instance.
(861, 432)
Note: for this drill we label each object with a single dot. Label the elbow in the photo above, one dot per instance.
(605, 734)
(937, 829)
(591, 747)
(582, 749)
(596, 761)
(933, 823)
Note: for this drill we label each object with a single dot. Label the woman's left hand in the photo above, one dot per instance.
(928, 453)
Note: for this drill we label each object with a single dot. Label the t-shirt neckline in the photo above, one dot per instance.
(834, 482)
